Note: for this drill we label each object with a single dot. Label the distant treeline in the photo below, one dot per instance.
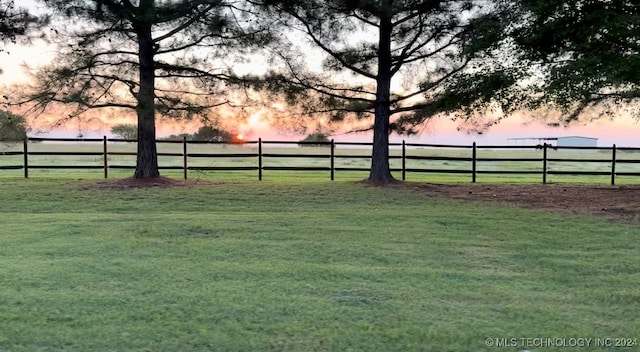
(204, 133)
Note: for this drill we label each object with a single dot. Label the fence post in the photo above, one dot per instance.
(105, 163)
(613, 165)
(474, 159)
(184, 156)
(544, 164)
(333, 162)
(404, 162)
(25, 155)
(259, 159)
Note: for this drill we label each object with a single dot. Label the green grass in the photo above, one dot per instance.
(302, 265)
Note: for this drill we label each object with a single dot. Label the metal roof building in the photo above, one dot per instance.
(566, 141)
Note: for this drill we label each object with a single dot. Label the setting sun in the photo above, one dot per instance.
(238, 138)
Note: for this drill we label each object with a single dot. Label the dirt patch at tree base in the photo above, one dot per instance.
(621, 203)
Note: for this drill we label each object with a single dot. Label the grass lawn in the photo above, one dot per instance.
(303, 265)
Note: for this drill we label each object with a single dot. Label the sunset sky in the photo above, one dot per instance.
(623, 131)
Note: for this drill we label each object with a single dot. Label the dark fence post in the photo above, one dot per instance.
(544, 164)
(404, 161)
(259, 159)
(184, 156)
(25, 151)
(105, 163)
(333, 160)
(613, 165)
(474, 162)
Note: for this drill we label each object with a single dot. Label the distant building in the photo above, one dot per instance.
(577, 141)
(567, 141)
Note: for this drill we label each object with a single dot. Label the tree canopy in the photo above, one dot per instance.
(213, 133)
(16, 22)
(315, 139)
(125, 131)
(17, 25)
(584, 55)
(13, 127)
(146, 56)
(390, 60)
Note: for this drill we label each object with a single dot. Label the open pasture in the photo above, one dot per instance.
(350, 162)
(304, 265)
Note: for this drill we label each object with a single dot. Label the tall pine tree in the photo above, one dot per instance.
(390, 61)
(148, 56)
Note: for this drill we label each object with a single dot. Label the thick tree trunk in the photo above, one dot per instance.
(147, 159)
(380, 172)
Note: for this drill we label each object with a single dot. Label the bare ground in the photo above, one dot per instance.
(621, 203)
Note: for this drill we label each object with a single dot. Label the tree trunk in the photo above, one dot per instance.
(147, 159)
(380, 172)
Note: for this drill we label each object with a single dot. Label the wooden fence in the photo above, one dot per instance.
(406, 153)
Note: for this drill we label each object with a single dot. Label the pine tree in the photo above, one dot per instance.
(390, 61)
(147, 56)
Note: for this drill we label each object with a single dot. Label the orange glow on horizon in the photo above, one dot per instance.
(238, 138)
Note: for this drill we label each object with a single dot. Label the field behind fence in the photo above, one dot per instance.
(335, 160)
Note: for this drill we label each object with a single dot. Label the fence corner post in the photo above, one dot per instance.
(184, 157)
(474, 162)
(333, 155)
(544, 163)
(25, 154)
(259, 159)
(105, 154)
(404, 161)
(613, 165)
